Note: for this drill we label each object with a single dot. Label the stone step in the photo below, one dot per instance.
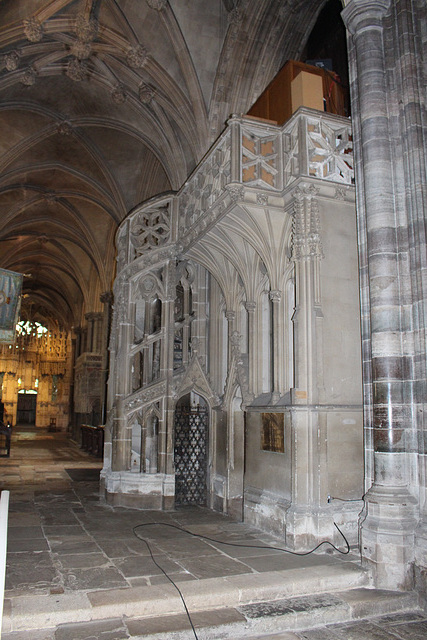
(286, 615)
(274, 620)
(310, 612)
(37, 612)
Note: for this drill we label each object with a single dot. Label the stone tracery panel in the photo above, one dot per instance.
(207, 184)
(319, 147)
(150, 229)
(330, 151)
(259, 159)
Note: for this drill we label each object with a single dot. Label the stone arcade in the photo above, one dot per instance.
(267, 328)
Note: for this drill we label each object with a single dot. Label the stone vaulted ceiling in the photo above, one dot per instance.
(105, 103)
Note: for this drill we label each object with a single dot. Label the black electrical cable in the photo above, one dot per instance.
(168, 577)
(229, 544)
(346, 499)
(247, 546)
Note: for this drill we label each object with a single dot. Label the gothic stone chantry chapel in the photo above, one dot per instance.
(228, 241)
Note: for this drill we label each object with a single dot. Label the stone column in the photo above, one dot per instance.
(197, 328)
(107, 300)
(78, 349)
(90, 319)
(231, 317)
(410, 22)
(236, 150)
(389, 519)
(165, 439)
(306, 254)
(306, 520)
(83, 340)
(122, 431)
(97, 332)
(151, 445)
(252, 348)
(277, 344)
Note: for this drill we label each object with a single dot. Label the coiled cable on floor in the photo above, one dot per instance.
(229, 544)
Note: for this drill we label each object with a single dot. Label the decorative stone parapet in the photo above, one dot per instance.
(310, 144)
(147, 230)
(249, 154)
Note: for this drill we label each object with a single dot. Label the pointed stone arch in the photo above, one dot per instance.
(195, 379)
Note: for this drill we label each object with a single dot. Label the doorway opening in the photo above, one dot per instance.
(191, 429)
(26, 408)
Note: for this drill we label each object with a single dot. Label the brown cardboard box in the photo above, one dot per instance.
(275, 102)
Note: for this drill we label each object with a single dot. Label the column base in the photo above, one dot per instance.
(265, 510)
(387, 524)
(307, 527)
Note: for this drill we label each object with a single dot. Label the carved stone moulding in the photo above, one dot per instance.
(119, 95)
(81, 49)
(76, 70)
(147, 286)
(86, 30)
(146, 261)
(136, 57)
(262, 198)
(235, 17)
(159, 5)
(51, 199)
(64, 128)
(33, 30)
(11, 60)
(146, 93)
(340, 193)
(151, 228)
(306, 236)
(275, 296)
(107, 297)
(29, 77)
(145, 396)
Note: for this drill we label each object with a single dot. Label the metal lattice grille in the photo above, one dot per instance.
(191, 435)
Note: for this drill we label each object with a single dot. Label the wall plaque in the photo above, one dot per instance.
(273, 432)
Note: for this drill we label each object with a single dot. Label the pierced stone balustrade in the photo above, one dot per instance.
(249, 154)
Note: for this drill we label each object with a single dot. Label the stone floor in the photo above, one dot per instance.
(64, 539)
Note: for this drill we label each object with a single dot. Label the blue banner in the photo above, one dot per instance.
(10, 304)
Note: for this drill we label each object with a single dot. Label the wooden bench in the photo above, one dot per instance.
(92, 439)
(5, 436)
